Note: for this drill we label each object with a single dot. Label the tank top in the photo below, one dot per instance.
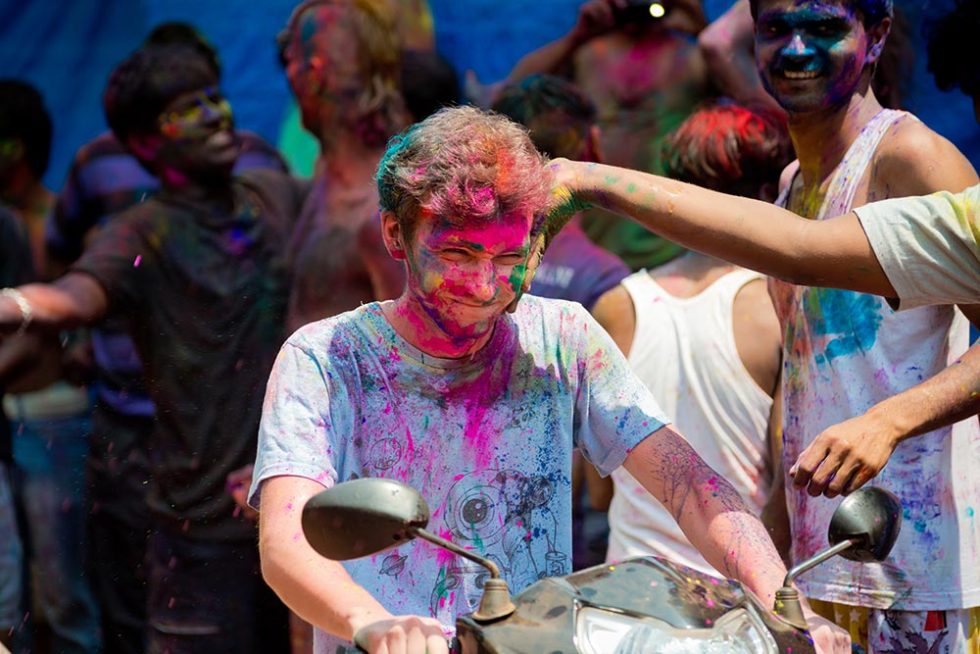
(844, 352)
(684, 351)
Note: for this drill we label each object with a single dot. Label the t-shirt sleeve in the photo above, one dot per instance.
(615, 411)
(927, 246)
(298, 424)
(118, 258)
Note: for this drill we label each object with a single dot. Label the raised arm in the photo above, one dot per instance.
(750, 233)
(73, 300)
(728, 47)
(595, 17)
(319, 590)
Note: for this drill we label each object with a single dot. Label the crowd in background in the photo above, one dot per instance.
(181, 252)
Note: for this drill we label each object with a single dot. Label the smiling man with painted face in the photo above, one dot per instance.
(476, 407)
(845, 352)
(198, 273)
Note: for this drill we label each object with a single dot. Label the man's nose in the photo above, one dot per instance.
(482, 282)
(797, 49)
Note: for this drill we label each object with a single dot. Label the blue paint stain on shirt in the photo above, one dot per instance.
(848, 322)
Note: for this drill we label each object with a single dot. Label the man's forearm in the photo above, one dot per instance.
(710, 512)
(747, 232)
(948, 397)
(73, 300)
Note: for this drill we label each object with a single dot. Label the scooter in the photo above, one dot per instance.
(643, 605)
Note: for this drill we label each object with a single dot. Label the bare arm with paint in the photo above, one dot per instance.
(750, 233)
(715, 519)
(709, 510)
(319, 590)
(728, 46)
(73, 300)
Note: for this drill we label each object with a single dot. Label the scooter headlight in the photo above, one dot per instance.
(737, 632)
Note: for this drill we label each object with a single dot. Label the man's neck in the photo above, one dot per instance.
(345, 162)
(415, 325)
(822, 139)
(212, 196)
(690, 274)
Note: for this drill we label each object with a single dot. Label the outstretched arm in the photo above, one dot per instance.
(319, 590)
(73, 300)
(711, 513)
(846, 456)
(750, 233)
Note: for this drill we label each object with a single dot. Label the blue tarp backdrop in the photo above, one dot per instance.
(67, 47)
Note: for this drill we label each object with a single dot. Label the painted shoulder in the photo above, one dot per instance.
(915, 160)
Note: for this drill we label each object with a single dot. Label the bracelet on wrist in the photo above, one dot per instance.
(26, 312)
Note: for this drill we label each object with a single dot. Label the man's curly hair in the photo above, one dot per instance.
(463, 165)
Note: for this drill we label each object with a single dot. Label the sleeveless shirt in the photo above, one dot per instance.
(844, 352)
(684, 351)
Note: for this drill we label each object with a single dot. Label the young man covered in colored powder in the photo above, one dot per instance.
(199, 272)
(844, 352)
(106, 178)
(645, 76)
(342, 62)
(703, 336)
(476, 407)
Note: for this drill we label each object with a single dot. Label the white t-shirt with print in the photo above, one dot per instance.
(487, 440)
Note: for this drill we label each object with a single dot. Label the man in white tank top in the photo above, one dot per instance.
(703, 336)
(844, 351)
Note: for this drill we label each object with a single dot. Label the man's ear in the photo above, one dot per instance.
(391, 232)
(877, 34)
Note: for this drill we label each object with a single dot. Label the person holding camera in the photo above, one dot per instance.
(640, 65)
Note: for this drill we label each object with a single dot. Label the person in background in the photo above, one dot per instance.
(342, 63)
(703, 336)
(105, 179)
(561, 122)
(644, 77)
(199, 272)
(51, 425)
(429, 82)
(15, 268)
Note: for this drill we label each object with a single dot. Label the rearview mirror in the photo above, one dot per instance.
(363, 517)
